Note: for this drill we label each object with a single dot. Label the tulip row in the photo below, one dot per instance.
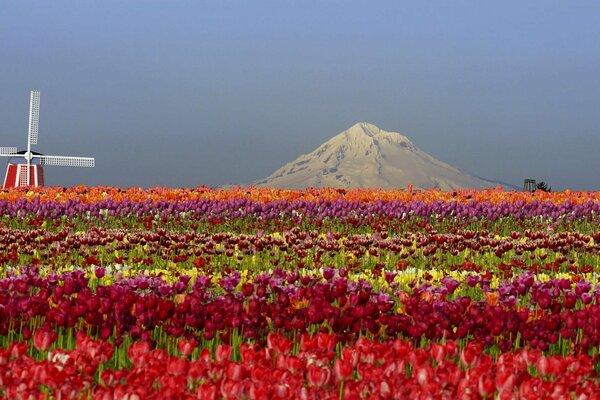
(96, 194)
(160, 249)
(559, 315)
(206, 209)
(311, 370)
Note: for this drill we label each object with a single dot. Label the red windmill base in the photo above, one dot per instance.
(16, 176)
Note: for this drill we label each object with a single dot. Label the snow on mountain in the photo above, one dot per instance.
(365, 156)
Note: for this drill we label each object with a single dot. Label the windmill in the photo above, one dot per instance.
(26, 168)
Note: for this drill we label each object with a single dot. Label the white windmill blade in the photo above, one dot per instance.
(8, 151)
(66, 161)
(34, 116)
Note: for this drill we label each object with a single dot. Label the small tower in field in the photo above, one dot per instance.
(529, 185)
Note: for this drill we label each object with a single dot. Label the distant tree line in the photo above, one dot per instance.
(543, 186)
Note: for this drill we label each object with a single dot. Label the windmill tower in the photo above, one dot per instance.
(26, 168)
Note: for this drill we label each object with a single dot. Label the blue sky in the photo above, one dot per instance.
(184, 93)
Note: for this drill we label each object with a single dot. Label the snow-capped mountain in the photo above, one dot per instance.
(365, 156)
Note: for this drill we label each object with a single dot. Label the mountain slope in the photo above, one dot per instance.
(365, 156)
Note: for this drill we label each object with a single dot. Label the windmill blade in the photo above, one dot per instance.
(34, 116)
(66, 161)
(8, 151)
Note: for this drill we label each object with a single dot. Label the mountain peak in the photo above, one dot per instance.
(365, 156)
(366, 134)
(364, 128)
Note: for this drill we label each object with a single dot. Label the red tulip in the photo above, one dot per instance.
(231, 389)
(43, 339)
(486, 385)
(177, 366)
(469, 355)
(291, 363)
(424, 374)
(222, 353)
(99, 272)
(506, 380)
(352, 354)
(278, 343)
(342, 369)
(207, 391)
(282, 391)
(186, 347)
(138, 353)
(326, 342)
(318, 376)
(438, 352)
(505, 394)
(233, 371)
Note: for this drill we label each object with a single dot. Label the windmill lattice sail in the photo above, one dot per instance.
(7, 151)
(67, 161)
(34, 117)
(26, 168)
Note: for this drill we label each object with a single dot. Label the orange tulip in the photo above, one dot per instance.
(492, 298)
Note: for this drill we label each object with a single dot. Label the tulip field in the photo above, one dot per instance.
(251, 293)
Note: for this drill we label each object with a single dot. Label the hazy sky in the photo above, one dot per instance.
(184, 93)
